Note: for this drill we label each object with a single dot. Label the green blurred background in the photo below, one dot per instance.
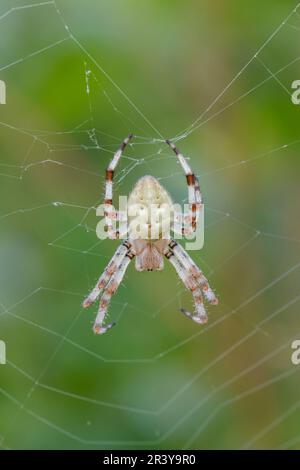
(156, 380)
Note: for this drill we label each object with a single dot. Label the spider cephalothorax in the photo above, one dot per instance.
(150, 250)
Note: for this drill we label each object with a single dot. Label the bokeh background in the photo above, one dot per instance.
(156, 380)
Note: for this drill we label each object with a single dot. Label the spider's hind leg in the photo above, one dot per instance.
(194, 193)
(110, 212)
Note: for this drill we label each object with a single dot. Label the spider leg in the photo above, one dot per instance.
(191, 283)
(109, 290)
(178, 228)
(194, 193)
(198, 319)
(110, 213)
(110, 269)
(193, 270)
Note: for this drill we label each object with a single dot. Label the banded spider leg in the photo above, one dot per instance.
(109, 282)
(110, 213)
(194, 197)
(193, 279)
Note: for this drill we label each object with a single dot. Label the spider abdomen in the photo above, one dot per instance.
(150, 210)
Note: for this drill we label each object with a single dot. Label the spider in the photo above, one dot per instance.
(149, 253)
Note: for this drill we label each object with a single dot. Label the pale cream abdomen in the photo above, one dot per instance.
(149, 209)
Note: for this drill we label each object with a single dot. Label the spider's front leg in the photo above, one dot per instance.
(108, 292)
(191, 284)
(194, 271)
(107, 279)
(193, 279)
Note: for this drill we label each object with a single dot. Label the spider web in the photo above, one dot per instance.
(62, 386)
